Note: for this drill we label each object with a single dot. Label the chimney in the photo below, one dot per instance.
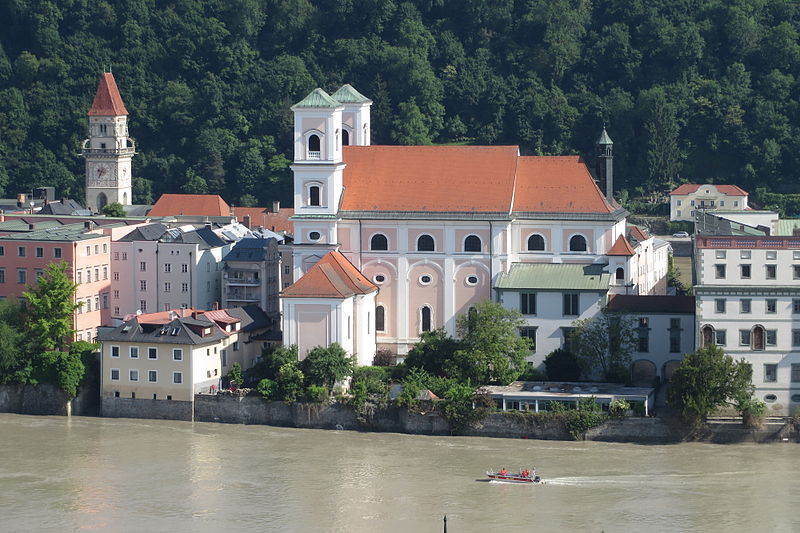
(21, 197)
(31, 227)
(246, 221)
(88, 225)
(276, 206)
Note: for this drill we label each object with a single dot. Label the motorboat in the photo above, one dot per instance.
(514, 477)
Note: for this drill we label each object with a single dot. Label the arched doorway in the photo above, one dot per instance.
(643, 373)
(102, 201)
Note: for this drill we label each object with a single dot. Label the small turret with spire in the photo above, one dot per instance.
(604, 169)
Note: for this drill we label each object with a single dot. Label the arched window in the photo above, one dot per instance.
(313, 195)
(313, 143)
(426, 318)
(620, 274)
(425, 243)
(535, 242)
(102, 200)
(708, 336)
(378, 242)
(472, 244)
(758, 339)
(345, 137)
(380, 317)
(577, 243)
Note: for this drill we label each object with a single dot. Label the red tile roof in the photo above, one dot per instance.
(560, 184)
(107, 101)
(689, 188)
(621, 247)
(264, 218)
(637, 233)
(160, 317)
(332, 277)
(652, 304)
(210, 205)
(466, 179)
(429, 178)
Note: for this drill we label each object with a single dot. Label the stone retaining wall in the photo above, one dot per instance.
(143, 408)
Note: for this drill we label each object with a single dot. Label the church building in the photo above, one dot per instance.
(437, 229)
(108, 150)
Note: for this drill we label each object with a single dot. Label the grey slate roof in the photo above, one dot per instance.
(64, 207)
(176, 331)
(249, 249)
(150, 232)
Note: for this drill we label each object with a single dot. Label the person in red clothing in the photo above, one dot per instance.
(503, 472)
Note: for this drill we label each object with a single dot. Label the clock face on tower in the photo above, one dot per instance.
(101, 175)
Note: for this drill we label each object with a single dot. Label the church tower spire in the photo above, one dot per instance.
(108, 150)
(604, 169)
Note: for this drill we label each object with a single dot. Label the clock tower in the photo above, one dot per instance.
(108, 150)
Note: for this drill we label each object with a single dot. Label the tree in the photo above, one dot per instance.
(114, 209)
(491, 351)
(235, 375)
(562, 365)
(433, 352)
(326, 366)
(707, 379)
(289, 382)
(272, 359)
(603, 344)
(51, 305)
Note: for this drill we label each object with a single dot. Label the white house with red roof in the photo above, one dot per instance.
(686, 200)
(108, 150)
(438, 228)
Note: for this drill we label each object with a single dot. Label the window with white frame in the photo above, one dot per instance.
(133, 375)
(134, 352)
(152, 353)
(152, 376)
(115, 374)
(770, 373)
(177, 354)
(177, 378)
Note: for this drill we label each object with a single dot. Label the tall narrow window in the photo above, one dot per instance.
(313, 195)
(527, 303)
(577, 243)
(313, 147)
(758, 339)
(472, 244)
(345, 137)
(535, 242)
(425, 243)
(426, 318)
(708, 336)
(380, 317)
(620, 274)
(378, 242)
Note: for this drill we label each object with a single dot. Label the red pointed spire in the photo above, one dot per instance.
(107, 101)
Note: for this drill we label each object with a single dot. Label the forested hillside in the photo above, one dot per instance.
(690, 89)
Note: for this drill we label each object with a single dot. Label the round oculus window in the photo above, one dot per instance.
(472, 280)
(314, 236)
(380, 278)
(770, 398)
(796, 398)
(425, 279)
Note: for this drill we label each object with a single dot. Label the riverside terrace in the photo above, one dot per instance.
(537, 395)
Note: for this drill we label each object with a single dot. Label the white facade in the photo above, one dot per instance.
(687, 199)
(748, 303)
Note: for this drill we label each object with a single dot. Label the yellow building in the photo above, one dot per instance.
(153, 364)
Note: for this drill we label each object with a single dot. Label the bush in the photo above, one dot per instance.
(619, 408)
(384, 357)
(289, 382)
(235, 375)
(374, 379)
(562, 366)
(531, 373)
(317, 394)
(459, 410)
(326, 366)
(272, 359)
(267, 389)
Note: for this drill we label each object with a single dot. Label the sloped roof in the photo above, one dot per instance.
(429, 178)
(65, 206)
(249, 249)
(346, 94)
(149, 232)
(210, 205)
(604, 138)
(559, 184)
(554, 276)
(689, 188)
(637, 233)
(317, 98)
(265, 218)
(621, 247)
(332, 277)
(652, 304)
(107, 101)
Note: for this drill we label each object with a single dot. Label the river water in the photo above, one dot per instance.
(95, 474)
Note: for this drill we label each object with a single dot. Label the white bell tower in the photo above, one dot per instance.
(108, 150)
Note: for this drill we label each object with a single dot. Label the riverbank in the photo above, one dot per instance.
(253, 410)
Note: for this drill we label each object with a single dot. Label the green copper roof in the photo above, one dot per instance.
(348, 95)
(604, 138)
(317, 98)
(61, 233)
(787, 227)
(551, 276)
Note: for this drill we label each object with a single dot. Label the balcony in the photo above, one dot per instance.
(314, 155)
(238, 296)
(242, 281)
(110, 151)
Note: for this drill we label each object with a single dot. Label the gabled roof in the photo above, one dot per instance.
(317, 99)
(149, 232)
(554, 276)
(621, 247)
(689, 188)
(107, 101)
(348, 95)
(429, 178)
(261, 217)
(210, 205)
(637, 234)
(558, 184)
(652, 304)
(65, 206)
(332, 277)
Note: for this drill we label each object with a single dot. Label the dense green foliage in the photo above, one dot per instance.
(327, 366)
(50, 308)
(235, 375)
(603, 345)
(708, 379)
(562, 365)
(704, 90)
(114, 209)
